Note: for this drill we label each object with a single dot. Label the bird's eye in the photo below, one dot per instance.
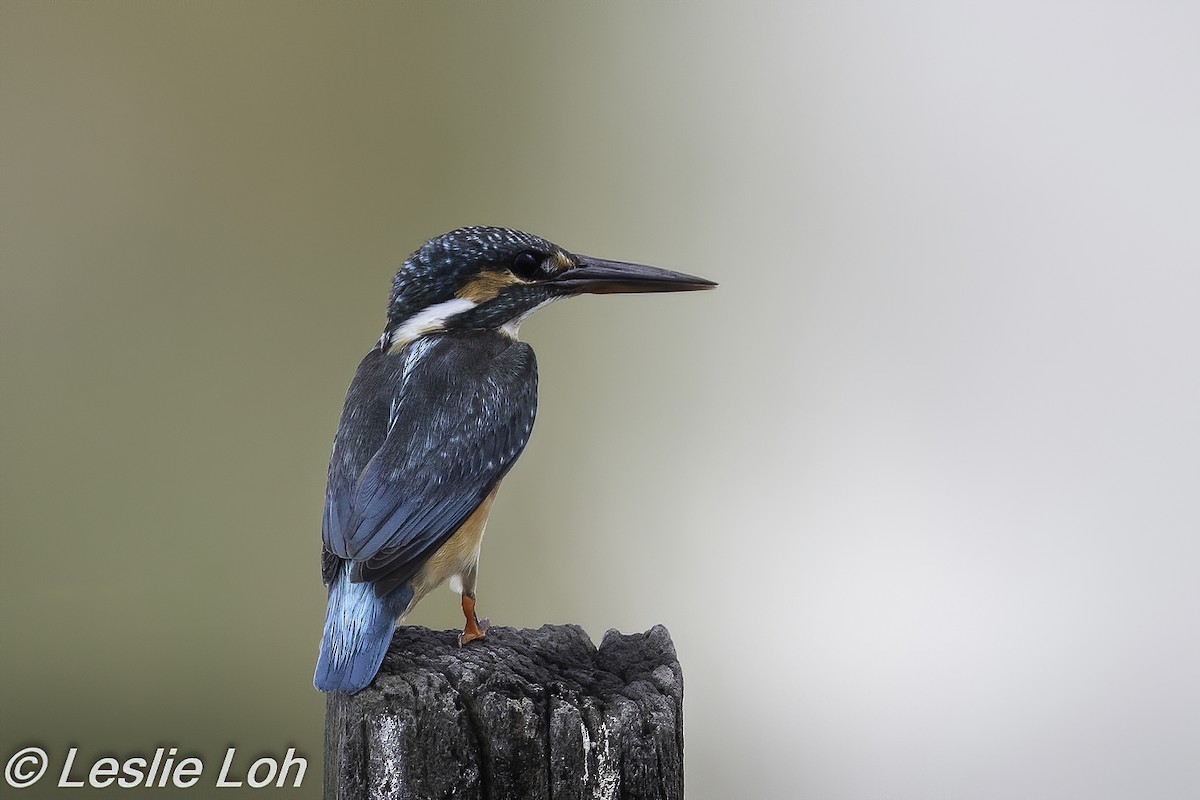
(526, 264)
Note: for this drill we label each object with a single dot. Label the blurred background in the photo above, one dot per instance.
(915, 490)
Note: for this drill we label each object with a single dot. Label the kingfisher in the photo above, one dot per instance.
(435, 417)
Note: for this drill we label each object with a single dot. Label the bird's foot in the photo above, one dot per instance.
(475, 629)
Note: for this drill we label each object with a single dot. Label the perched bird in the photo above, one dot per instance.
(435, 417)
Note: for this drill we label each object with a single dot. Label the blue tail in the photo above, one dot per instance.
(358, 630)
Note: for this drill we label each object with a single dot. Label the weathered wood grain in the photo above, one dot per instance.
(519, 714)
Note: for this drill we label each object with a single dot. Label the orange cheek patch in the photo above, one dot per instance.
(487, 286)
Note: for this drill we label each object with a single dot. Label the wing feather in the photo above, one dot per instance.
(455, 426)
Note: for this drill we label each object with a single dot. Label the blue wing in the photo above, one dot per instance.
(425, 436)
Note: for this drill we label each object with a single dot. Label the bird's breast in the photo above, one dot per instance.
(460, 552)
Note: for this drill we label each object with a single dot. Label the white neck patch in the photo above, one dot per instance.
(430, 320)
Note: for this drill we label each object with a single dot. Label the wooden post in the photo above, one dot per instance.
(527, 714)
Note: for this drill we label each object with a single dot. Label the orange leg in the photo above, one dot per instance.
(475, 628)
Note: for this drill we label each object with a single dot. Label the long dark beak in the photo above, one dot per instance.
(597, 276)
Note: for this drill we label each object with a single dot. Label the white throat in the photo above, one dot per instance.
(512, 327)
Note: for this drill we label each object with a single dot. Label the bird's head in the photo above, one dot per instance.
(482, 277)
